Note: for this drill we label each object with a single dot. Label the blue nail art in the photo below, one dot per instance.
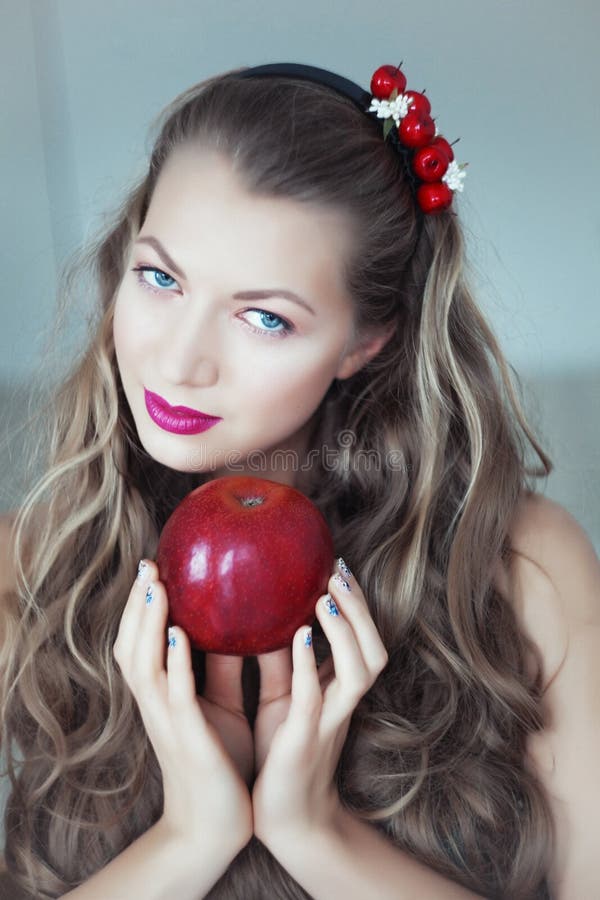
(331, 607)
(308, 638)
(343, 584)
(149, 595)
(344, 568)
(142, 566)
(172, 638)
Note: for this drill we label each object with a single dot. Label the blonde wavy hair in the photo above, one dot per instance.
(435, 753)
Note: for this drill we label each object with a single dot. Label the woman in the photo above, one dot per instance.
(282, 270)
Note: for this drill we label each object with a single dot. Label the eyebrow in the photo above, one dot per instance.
(241, 295)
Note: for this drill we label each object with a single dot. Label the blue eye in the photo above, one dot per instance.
(284, 330)
(157, 286)
(155, 273)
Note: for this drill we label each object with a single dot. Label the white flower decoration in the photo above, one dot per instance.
(396, 108)
(454, 176)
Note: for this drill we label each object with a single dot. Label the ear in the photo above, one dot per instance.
(362, 352)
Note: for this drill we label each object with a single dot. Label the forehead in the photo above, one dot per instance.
(200, 202)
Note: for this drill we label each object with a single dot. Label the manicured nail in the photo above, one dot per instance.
(341, 583)
(142, 566)
(149, 595)
(344, 568)
(172, 638)
(308, 638)
(330, 605)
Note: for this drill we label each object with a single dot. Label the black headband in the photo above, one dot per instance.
(427, 157)
(342, 85)
(338, 83)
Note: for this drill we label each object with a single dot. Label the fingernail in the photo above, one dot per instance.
(341, 583)
(330, 605)
(149, 595)
(142, 566)
(172, 638)
(344, 568)
(308, 638)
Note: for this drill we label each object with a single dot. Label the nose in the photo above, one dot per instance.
(189, 348)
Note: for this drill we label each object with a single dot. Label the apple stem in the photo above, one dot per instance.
(252, 501)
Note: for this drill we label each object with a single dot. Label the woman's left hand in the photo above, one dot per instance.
(304, 714)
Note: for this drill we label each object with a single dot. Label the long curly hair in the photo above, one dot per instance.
(430, 460)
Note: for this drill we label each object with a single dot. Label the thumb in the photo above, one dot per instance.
(276, 671)
(223, 681)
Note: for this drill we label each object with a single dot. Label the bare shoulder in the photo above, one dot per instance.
(552, 538)
(559, 601)
(552, 577)
(554, 581)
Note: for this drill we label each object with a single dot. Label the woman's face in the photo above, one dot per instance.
(188, 329)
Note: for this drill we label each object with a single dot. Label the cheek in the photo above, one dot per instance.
(122, 326)
(130, 329)
(119, 333)
(292, 389)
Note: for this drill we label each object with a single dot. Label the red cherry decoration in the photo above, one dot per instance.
(416, 129)
(434, 197)
(385, 79)
(418, 102)
(443, 144)
(430, 163)
(417, 132)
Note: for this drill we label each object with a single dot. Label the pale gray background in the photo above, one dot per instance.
(517, 81)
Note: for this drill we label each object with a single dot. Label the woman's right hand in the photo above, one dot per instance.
(204, 793)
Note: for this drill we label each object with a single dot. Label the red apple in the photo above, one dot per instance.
(385, 79)
(443, 144)
(434, 197)
(430, 163)
(418, 102)
(416, 129)
(244, 561)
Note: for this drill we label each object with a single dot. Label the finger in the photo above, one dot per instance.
(307, 699)
(351, 601)
(134, 609)
(352, 676)
(223, 681)
(181, 683)
(192, 725)
(306, 690)
(275, 674)
(149, 653)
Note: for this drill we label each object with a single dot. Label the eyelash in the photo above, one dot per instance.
(288, 328)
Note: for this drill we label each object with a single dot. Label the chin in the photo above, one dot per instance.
(176, 458)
